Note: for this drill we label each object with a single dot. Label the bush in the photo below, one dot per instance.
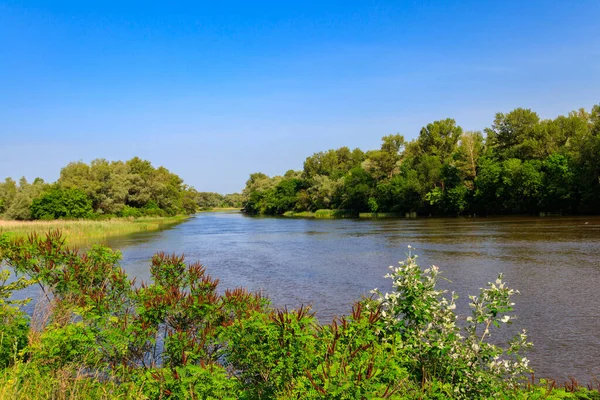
(130, 212)
(14, 324)
(14, 328)
(61, 203)
(62, 345)
(425, 320)
(189, 382)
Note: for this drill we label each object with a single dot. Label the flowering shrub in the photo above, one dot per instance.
(441, 352)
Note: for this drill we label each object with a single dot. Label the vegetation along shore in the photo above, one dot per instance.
(95, 334)
(520, 164)
(82, 232)
(106, 190)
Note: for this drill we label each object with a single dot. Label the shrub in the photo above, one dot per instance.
(130, 212)
(61, 203)
(351, 361)
(189, 382)
(14, 324)
(268, 351)
(440, 353)
(14, 328)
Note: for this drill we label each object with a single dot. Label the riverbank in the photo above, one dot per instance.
(221, 209)
(78, 232)
(333, 214)
(337, 214)
(321, 214)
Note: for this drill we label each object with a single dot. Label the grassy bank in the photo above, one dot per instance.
(220, 209)
(381, 215)
(89, 231)
(333, 214)
(323, 213)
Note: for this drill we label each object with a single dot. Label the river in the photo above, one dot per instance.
(554, 263)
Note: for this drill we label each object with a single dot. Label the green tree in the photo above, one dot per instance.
(332, 163)
(357, 190)
(233, 200)
(20, 208)
(517, 135)
(384, 163)
(325, 192)
(439, 138)
(521, 185)
(401, 193)
(208, 199)
(557, 189)
(470, 148)
(8, 191)
(487, 184)
(61, 203)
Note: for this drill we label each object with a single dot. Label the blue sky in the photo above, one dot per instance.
(217, 90)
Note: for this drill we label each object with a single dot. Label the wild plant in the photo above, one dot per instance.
(443, 355)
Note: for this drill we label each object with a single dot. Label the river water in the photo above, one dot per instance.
(553, 262)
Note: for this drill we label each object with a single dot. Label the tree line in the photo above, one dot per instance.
(102, 189)
(521, 164)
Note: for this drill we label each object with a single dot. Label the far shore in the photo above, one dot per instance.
(222, 209)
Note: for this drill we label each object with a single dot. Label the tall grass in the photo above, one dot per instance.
(322, 214)
(220, 209)
(380, 215)
(25, 381)
(79, 232)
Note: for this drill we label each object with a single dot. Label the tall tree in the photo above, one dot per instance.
(515, 135)
(470, 148)
(8, 191)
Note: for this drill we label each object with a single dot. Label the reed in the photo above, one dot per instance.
(24, 381)
(220, 209)
(79, 232)
(322, 214)
(380, 215)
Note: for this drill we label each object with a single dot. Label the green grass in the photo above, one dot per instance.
(380, 215)
(25, 381)
(303, 214)
(221, 209)
(79, 232)
(323, 213)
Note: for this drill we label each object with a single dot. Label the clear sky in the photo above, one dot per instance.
(216, 90)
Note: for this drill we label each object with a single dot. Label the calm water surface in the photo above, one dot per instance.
(554, 262)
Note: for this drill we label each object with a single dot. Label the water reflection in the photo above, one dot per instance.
(554, 262)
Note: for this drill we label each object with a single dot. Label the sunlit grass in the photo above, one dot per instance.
(89, 231)
(26, 381)
(321, 214)
(221, 209)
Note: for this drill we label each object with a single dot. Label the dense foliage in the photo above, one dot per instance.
(96, 334)
(103, 189)
(61, 203)
(522, 165)
(210, 200)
